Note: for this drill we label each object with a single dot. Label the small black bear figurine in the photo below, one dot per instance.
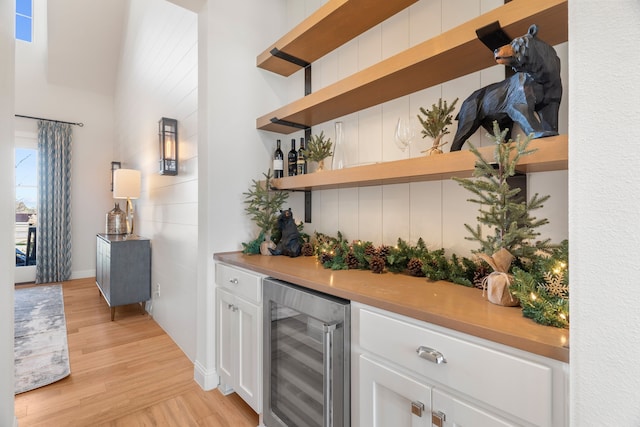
(530, 98)
(289, 244)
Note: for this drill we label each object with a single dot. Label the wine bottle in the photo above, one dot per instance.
(278, 161)
(301, 162)
(292, 158)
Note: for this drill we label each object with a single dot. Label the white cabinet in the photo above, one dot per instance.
(391, 398)
(460, 380)
(239, 333)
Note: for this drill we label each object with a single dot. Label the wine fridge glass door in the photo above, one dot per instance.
(305, 370)
(297, 368)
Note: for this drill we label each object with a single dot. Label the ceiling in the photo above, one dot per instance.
(85, 39)
(84, 43)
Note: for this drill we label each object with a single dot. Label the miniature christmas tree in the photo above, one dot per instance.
(264, 205)
(435, 124)
(510, 219)
(504, 213)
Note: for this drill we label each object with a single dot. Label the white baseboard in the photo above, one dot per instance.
(207, 380)
(82, 274)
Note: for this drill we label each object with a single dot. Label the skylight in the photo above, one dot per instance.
(24, 20)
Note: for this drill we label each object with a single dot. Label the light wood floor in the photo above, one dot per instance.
(124, 373)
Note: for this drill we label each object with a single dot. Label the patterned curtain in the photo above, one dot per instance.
(53, 239)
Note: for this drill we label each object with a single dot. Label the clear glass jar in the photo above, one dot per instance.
(116, 221)
(339, 160)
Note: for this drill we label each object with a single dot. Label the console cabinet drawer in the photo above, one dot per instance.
(239, 281)
(517, 385)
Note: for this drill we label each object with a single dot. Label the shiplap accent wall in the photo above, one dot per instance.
(435, 211)
(158, 77)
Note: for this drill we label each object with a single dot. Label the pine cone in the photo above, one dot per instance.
(377, 264)
(352, 261)
(481, 272)
(307, 249)
(383, 251)
(370, 250)
(326, 257)
(414, 267)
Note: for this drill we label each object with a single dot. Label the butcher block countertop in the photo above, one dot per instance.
(442, 303)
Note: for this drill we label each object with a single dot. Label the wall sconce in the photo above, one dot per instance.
(126, 185)
(114, 166)
(168, 134)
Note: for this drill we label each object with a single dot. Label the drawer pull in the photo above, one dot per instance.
(232, 307)
(431, 355)
(416, 408)
(438, 418)
(234, 281)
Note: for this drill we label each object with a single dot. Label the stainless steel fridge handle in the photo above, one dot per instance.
(431, 355)
(328, 329)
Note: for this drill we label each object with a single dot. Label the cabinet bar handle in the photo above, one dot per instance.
(328, 329)
(431, 355)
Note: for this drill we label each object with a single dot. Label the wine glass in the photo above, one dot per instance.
(405, 132)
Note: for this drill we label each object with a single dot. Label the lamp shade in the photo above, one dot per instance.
(126, 184)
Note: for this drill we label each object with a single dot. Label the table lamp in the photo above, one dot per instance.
(126, 185)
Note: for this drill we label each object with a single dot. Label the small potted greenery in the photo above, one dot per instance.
(318, 149)
(435, 124)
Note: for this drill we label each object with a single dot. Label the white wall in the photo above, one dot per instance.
(158, 77)
(435, 211)
(233, 152)
(7, 212)
(603, 211)
(92, 144)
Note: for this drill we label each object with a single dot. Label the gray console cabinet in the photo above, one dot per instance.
(123, 269)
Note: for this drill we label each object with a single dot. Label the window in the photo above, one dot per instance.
(26, 179)
(24, 20)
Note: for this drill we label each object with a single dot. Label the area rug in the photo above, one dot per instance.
(41, 350)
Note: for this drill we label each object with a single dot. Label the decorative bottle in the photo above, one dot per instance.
(278, 161)
(301, 162)
(292, 158)
(339, 154)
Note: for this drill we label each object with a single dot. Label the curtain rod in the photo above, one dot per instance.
(50, 120)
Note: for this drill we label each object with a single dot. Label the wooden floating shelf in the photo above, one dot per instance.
(551, 155)
(452, 54)
(333, 24)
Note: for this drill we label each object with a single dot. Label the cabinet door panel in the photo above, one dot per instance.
(386, 397)
(227, 337)
(459, 413)
(249, 355)
(495, 377)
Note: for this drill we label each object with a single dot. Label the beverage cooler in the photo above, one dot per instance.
(306, 357)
